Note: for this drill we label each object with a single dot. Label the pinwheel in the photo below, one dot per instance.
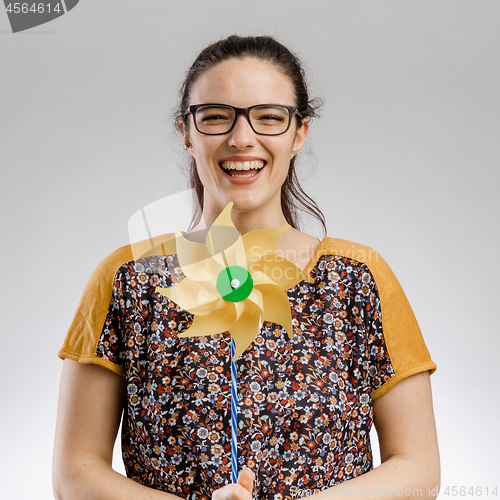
(234, 283)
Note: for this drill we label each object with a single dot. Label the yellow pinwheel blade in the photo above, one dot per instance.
(222, 233)
(202, 264)
(257, 298)
(194, 259)
(276, 307)
(218, 321)
(246, 328)
(189, 252)
(283, 272)
(190, 296)
(261, 242)
(259, 278)
(224, 218)
(224, 242)
(234, 255)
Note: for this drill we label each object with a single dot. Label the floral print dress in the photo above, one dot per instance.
(304, 404)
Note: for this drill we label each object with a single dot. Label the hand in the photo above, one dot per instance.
(242, 490)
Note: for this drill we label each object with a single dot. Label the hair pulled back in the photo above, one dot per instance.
(266, 48)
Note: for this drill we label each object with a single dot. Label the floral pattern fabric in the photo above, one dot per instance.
(304, 404)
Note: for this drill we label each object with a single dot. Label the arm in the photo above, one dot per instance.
(91, 399)
(404, 420)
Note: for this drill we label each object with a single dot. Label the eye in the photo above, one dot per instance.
(213, 114)
(215, 117)
(207, 118)
(271, 117)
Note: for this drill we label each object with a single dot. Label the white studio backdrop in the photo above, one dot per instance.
(405, 159)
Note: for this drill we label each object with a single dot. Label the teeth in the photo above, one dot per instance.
(244, 175)
(245, 165)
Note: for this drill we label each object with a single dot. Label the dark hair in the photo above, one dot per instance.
(266, 48)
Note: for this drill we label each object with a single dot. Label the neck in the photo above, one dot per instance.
(263, 217)
(292, 245)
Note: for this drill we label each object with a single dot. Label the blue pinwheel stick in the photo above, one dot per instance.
(234, 283)
(234, 417)
(231, 284)
(236, 310)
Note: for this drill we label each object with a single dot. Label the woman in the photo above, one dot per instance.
(307, 404)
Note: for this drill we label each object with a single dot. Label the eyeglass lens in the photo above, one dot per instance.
(269, 120)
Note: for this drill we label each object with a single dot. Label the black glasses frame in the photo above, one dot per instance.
(241, 111)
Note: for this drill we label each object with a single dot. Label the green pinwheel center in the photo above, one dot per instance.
(234, 283)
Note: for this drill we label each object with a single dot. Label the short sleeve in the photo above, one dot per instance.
(95, 336)
(97, 314)
(403, 339)
(397, 346)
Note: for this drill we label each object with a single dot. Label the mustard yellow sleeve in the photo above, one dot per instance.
(404, 341)
(402, 336)
(98, 310)
(85, 330)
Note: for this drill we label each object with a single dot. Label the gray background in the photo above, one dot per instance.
(404, 159)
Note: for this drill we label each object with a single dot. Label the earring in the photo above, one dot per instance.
(187, 146)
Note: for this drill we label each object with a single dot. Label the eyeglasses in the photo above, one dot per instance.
(265, 119)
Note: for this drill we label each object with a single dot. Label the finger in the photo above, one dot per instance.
(246, 479)
(232, 492)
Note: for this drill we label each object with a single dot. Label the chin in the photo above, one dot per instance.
(246, 204)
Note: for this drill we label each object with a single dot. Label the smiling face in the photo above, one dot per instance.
(242, 166)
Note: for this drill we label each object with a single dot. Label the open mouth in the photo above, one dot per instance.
(242, 169)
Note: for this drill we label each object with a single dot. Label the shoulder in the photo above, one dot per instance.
(96, 305)
(346, 248)
(367, 259)
(107, 269)
(349, 250)
(113, 270)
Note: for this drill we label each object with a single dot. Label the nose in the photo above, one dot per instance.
(242, 136)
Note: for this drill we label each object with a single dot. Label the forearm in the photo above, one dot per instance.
(90, 407)
(94, 479)
(395, 478)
